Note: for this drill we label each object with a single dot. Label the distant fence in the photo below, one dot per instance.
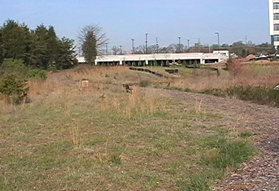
(171, 71)
(147, 70)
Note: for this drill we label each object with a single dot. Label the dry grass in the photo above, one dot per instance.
(103, 138)
(250, 75)
(67, 84)
(105, 87)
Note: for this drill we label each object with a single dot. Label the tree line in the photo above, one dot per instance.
(39, 48)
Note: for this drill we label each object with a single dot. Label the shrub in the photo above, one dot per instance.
(13, 87)
(12, 66)
(234, 66)
(17, 67)
(37, 74)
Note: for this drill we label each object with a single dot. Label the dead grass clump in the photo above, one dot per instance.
(241, 75)
(95, 73)
(130, 105)
(4, 105)
(76, 138)
(198, 106)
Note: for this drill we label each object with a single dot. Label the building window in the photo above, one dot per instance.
(276, 27)
(276, 16)
(275, 5)
(276, 37)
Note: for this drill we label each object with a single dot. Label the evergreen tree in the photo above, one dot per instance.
(89, 47)
(66, 54)
(92, 41)
(1, 47)
(40, 48)
(16, 40)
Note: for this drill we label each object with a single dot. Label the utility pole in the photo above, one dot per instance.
(179, 46)
(133, 46)
(146, 34)
(106, 48)
(157, 46)
(188, 43)
(199, 44)
(218, 35)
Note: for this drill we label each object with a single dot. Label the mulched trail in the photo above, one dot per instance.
(260, 173)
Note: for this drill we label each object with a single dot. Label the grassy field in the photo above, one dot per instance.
(102, 138)
(247, 81)
(265, 75)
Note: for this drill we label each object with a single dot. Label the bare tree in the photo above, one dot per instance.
(116, 50)
(140, 49)
(92, 41)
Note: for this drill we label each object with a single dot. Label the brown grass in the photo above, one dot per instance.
(65, 87)
(103, 138)
(250, 75)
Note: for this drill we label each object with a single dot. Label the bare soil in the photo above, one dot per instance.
(261, 172)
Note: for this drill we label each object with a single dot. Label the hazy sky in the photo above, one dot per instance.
(123, 20)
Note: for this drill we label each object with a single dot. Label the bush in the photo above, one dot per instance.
(17, 67)
(13, 78)
(12, 66)
(13, 87)
(234, 66)
(37, 74)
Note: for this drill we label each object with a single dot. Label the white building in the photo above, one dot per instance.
(81, 59)
(162, 59)
(274, 22)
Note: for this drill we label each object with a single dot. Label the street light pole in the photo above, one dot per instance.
(179, 46)
(157, 46)
(106, 48)
(146, 34)
(218, 35)
(133, 46)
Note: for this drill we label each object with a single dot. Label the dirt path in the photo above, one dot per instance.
(262, 172)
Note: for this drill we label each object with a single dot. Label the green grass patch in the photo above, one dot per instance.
(246, 134)
(196, 183)
(260, 95)
(144, 83)
(223, 153)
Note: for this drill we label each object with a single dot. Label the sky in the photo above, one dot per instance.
(123, 20)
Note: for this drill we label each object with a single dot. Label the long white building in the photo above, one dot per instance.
(162, 59)
(274, 22)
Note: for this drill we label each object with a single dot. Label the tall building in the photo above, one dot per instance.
(274, 22)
